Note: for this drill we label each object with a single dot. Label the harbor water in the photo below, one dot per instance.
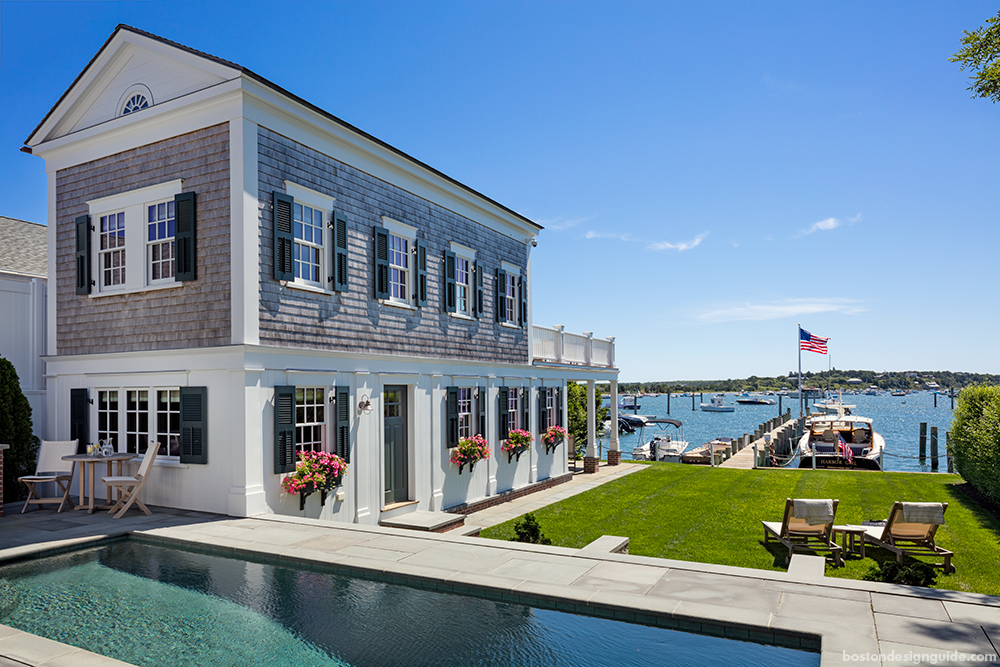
(896, 418)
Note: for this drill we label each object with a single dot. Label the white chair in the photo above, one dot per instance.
(51, 468)
(129, 487)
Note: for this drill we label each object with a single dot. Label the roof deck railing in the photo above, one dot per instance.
(555, 345)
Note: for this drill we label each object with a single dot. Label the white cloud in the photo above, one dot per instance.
(562, 224)
(609, 235)
(780, 309)
(679, 247)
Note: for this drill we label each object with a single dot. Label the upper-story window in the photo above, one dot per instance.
(400, 265)
(310, 238)
(136, 240)
(462, 285)
(399, 269)
(511, 296)
(134, 103)
(160, 245)
(135, 98)
(463, 296)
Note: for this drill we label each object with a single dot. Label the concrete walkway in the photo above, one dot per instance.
(844, 619)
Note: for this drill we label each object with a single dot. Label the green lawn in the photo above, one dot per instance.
(711, 515)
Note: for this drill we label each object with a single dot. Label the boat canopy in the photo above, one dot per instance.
(664, 420)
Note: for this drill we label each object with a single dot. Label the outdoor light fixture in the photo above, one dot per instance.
(365, 406)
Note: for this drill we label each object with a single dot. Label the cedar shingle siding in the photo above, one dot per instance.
(353, 320)
(194, 314)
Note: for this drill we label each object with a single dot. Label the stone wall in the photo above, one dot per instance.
(193, 314)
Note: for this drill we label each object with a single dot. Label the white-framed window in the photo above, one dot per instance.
(310, 419)
(168, 421)
(137, 226)
(510, 299)
(309, 229)
(514, 408)
(111, 253)
(135, 98)
(107, 416)
(464, 413)
(463, 285)
(550, 407)
(399, 269)
(136, 421)
(160, 244)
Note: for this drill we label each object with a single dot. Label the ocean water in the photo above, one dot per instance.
(896, 418)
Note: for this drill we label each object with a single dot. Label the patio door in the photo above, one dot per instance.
(396, 451)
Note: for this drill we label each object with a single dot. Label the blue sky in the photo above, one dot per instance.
(709, 174)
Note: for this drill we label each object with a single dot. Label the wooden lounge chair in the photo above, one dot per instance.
(129, 487)
(912, 538)
(802, 534)
(51, 468)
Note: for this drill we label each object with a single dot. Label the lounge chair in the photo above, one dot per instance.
(51, 468)
(807, 527)
(129, 487)
(910, 530)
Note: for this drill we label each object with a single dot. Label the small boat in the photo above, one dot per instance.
(840, 440)
(754, 399)
(898, 393)
(663, 446)
(701, 455)
(629, 403)
(717, 405)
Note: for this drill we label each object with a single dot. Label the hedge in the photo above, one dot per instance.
(975, 435)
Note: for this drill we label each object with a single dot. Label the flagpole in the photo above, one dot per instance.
(798, 344)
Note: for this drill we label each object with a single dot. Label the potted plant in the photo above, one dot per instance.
(553, 436)
(469, 451)
(516, 443)
(314, 471)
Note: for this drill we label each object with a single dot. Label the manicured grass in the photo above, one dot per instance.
(711, 515)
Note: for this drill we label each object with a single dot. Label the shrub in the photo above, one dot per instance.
(528, 530)
(15, 430)
(891, 572)
(975, 439)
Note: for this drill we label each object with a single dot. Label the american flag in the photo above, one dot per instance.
(845, 449)
(811, 343)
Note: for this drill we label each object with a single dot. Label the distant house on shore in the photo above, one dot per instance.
(855, 381)
(931, 386)
(23, 267)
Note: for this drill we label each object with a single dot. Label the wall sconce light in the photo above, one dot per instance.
(365, 406)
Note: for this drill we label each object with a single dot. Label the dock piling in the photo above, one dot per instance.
(668, 401)
(923, 442)
(934, 448)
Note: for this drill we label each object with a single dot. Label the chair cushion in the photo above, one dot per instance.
(120, 480)
(44, 478)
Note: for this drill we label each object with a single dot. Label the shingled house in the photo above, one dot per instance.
(240, 275)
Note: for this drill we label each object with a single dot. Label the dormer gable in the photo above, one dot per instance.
(132, 72)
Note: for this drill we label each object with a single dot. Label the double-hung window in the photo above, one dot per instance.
(399, 269)
(136, 240)
(309, 244)
(514, 409)
(463, 282)
(310, 419)
(511, 296)
(304, 240)
(465, 428)
(300, 423)
(400, 265)
(552, 418)
(462, 274)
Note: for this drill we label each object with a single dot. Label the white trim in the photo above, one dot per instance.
(310, 197)
(137, 197)
(166, 283)
(397, 304)
(50, 238)
(463, 251)
(400, 228)
(244, 265)
(510, 268)
(462, 316)
(508, 325)
(308, 287)
(139, 88)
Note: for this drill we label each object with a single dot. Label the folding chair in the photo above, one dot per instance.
(129, 487)
(51, 468)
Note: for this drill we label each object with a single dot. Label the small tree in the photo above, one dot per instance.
(576, 407)
(15, 430)
(528, 530)
(982, 55)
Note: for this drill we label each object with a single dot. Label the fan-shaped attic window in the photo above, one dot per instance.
(136, 97)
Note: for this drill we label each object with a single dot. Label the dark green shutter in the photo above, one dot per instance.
(79, 419)
(477, 308)
(522, 288)
(340, 252)
(501, 305)
(83, 254)
(452, 419)
(559, 407)
(185, 215)
(543, 410)
(503, 413)
(449, 282)
(284, 429)
(194, 425)
(481, 411)
(526, 408)
(420, 283)
(381, 263)
(344, 423)
(284, 243)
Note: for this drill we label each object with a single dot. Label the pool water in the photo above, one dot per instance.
(150, 605)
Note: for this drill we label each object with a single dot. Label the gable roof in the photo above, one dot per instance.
(281, 91)
(23, 247)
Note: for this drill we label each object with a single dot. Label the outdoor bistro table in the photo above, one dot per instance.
(90, 460)
(856, 535)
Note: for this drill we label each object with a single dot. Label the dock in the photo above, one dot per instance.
(778, 431)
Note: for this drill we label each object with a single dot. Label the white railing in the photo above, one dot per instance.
(554, 345)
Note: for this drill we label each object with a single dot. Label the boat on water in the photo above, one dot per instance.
(840, 440)
(754, 399)
(717, 405)
(664, 445)
(898, 393)
(702, 455)
(629, 403)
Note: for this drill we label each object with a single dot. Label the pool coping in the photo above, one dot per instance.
(836, 617)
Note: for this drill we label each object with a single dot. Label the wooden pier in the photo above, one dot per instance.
(782, 429)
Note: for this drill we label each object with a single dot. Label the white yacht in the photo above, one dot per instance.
(841, 440)
(717, 405)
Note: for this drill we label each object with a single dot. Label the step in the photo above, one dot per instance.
(807, 567)
(430, 522)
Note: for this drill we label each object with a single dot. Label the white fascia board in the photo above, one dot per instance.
(288, 118)
(115, 55)
(211, 106)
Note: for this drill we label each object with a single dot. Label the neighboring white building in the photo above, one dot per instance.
(22, 309)
(240, 275)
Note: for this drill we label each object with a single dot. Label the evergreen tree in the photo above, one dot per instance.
(15, 430)
(576, 407)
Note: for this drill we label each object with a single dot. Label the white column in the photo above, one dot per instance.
(493, 407)
(244, 232)
(591, 422)
(614, 415)
(365, 465)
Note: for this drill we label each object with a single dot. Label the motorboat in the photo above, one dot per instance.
(898, 392)
(840, 440)
(664, 446)
(629, 403)
(702, 455)
(717, 405)
(753, 399)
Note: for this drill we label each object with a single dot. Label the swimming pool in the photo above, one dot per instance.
(150, 605)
